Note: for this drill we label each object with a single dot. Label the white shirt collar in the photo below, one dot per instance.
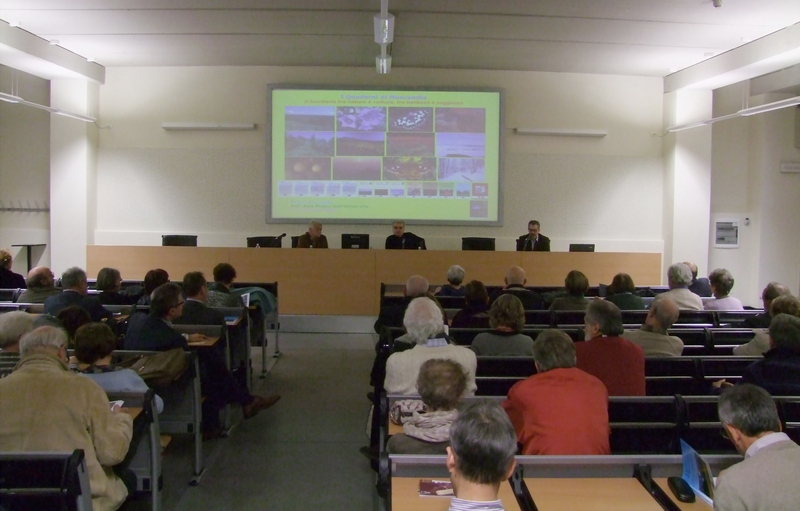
(764, 441)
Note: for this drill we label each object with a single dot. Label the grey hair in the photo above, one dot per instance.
(748, 408)
(44, 338)
(13, 325)
(665, 315)
(455, 275)
(722, 280)
(607, 315)
(784, 330)
(72, 277)
(680, 275)
(417, 285)
(774, 290)
(423, 319)
(553, 349)
(107, 279)
(484, 442)
(315, 224)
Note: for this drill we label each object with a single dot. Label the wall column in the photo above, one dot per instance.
(73, 147)
(687, 179)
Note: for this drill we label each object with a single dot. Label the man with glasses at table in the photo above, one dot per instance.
(767, 478)
(154, 332)
(534, 241)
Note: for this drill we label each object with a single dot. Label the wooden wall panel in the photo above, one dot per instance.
(347, 282)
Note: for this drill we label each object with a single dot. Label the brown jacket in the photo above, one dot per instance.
(45, 407)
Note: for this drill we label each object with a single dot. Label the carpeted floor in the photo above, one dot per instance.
(301, 454)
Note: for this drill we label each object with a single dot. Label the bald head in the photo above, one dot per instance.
(416, 286)
(40, 277)
(663, 314)
(692, 268)
(515, 275)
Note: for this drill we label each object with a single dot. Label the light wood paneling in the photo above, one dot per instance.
(405, 497)
(347, 282)
(579, 494)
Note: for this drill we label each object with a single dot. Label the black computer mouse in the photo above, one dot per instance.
(681, 489)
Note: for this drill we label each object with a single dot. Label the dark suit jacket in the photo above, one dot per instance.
(113, 298)
(198, 313)
(11, 280)
(408, 241)
(541, 245)
(530, 299)
(700, 287)
(305, 241)
(149, 332)
(90, 304)
(778, 373)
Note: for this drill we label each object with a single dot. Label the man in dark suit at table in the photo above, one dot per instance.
(154, 332)
(402, 240)
(534, 241)
(313, 238)
(75, 293)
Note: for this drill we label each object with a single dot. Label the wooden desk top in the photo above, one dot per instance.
(204, 344)
(405, 497)
(697, 505)
(133, 411)
(579, 494)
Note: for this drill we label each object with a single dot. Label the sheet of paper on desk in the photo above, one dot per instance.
(116, 403)
(435, 488)
(697, 473)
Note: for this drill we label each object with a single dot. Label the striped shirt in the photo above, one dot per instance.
(457, 504)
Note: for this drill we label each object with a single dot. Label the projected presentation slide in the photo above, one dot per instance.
(356, 155)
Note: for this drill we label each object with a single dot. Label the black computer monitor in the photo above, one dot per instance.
(355, 240)
(477, 243)
(265, 241)
(581, 247)
(178, 240)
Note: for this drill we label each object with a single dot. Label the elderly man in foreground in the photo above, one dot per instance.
(480, 457)
(424, 324)
(45, 407)
(560, 410)
(767, 478)
(652, 337)
(679, 277)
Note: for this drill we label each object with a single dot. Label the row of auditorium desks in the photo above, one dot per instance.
(556, 483)
(576, 494)
(347, 282)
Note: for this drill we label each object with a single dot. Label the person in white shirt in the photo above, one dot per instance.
(767, 478)
(424, 324)
(679, 277)
(721, 284)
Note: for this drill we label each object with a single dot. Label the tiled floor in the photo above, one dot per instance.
(302, 454)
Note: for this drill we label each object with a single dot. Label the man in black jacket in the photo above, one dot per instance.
(75, 288)
(402, 240)
(154, 332)
(534, 241)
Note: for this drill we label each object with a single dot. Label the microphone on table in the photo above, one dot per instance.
(402, 242)
(277, 241)
(528, 245)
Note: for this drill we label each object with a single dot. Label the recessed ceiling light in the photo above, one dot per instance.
(13, 23)
(90, 59)
(708, 54)
(54, 42)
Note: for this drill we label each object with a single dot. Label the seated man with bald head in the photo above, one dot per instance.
(679, 277)
(699, 286)
(41, 286)
(652, 337)
(391, 315)
(770, 293)
(515, 285)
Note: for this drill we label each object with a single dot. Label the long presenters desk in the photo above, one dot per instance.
(347, 282)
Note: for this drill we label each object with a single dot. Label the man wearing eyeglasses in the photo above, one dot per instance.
(154, 332)
(534, 241)
(767, 478)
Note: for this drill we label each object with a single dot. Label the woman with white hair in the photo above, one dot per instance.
(455, 276)
(425, 326)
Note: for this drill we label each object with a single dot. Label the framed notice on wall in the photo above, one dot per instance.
(726, 233)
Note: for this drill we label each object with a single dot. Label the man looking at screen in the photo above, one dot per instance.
(402, 240)
(533, 241)
(313, 238)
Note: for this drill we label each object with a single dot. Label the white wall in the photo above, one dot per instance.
(24, 166)
(151, 182)
(746, 183)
